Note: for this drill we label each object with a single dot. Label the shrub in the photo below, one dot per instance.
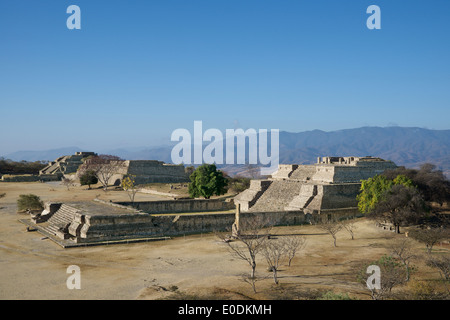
(87, 178)
(29, 201)
(330, 295)
(426, 290)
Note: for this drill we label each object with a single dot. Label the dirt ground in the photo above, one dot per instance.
(197, 266)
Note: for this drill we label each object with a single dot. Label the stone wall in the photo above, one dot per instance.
(364, 170)
(151, 171)
(335, 196)
(106, 228)
(180, 206)
(20, 178)
(70, 225)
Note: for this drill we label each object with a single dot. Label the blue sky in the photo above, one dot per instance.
(137, 70)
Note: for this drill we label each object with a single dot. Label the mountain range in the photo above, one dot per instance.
(406, 146)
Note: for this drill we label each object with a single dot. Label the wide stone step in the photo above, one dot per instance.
(301, 201)
(277, 196)
(52, 229)
(62, 217)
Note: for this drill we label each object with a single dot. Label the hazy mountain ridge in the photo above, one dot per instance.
(409, 147)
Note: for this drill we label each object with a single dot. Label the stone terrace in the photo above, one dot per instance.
(277, 196)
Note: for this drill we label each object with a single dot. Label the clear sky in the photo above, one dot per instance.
(139, 69)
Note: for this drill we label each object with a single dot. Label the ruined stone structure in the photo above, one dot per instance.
(98, 222)
(55, 170)
(330, 185)
(293, 195)
(146, 171)
(151, 171)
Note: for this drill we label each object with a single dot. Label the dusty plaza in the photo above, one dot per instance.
(180, 267)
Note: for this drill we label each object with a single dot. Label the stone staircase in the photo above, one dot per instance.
(250, 196)
(50, 169)
(303, 173)
(277, 196)
(60, 219)
(284, 171)
(302, 200)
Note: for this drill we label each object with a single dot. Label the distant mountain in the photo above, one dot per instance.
(44, 155)
(405, 146)
(408, 147)
(161, 153)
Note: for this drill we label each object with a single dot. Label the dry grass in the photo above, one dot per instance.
(196, 266)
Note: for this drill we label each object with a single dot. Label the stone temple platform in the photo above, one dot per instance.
(329, 186)
(99, 222)
(294, 194)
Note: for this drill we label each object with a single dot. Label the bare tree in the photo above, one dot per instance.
(293, 244)
(430, 236)
(392, 274)
(66, 182)
(277, 250)
(104, 167)
(332, 226)
(274, 251)
(403, 251)
(443, 264)
(350, 226)
(249, 242)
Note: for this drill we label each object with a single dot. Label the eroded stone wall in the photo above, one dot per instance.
(180, 206)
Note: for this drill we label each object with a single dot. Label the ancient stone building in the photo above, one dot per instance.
(293, 195)
(330, 185)
(99, 222)
(151, 171)
(145, 171)
(55, 170)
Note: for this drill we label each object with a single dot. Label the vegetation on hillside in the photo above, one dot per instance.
(22, 167)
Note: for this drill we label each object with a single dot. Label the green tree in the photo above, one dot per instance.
(397, 201)
(29, 201)
(207, 181)
(432, 183)
(88, 178)
(371, 191)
